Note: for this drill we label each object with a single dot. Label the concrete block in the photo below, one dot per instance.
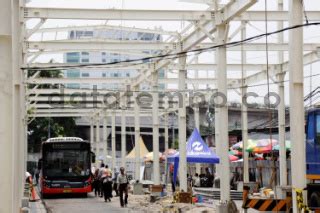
(138, 189)
(24, 210)
(25, 202)
(222, 208)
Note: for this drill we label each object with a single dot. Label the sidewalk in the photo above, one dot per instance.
(37, 207)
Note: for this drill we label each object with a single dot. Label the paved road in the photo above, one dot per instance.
(90, 204)
(93, 204)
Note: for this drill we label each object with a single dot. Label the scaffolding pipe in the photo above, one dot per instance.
(298, 153)
(222, 117)
(182, 124)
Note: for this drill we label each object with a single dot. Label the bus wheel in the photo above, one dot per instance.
(315, 199)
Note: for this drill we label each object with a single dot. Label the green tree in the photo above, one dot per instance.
(41, 128)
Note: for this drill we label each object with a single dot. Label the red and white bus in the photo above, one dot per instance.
(66, 166)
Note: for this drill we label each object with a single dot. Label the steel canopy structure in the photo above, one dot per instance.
(208, 32)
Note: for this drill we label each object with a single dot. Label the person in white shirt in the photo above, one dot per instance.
(196, 180)
(100, 174)
(122, 181)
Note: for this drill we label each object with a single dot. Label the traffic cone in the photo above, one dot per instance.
(33, 194)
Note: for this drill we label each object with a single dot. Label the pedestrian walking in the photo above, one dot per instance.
(196, 180)
(107, 184)
(100, 182)
(115, 184)
(36, 175)
(123, 182)
(96, 183)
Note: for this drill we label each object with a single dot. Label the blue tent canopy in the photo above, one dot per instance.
(197, 152)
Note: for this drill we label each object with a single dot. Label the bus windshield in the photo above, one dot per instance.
(66, 163)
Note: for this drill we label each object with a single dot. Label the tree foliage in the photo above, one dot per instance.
(41, 128)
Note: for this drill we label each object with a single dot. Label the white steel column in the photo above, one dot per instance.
(182, 124)
(104, 138)
(281, 111)
(97, 144)
(222, 117)
(137, 135)
(197, 121)
(298, 160)
(7, 201)
(123, 138)
(244, 120)
(282, 131)
(166, 132)
(244, 112)
(91, 131)
(113, 139)
(155, 129)
(166, 142)
(18, 103)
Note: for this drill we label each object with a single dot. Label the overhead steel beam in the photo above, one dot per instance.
(101, 45)
(276, 69)
(116, 14)
(35, 28)
(231, 10)
(118, 80)
(173, 66)
(94, 45)
(274, 16)
(51, 109)
(155, 15)
(35, 54)
(106, 27)
(46, 115)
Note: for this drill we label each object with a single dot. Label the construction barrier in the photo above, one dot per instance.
(33, 194)
(300, 204)
(265, 204)
(182, 197)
